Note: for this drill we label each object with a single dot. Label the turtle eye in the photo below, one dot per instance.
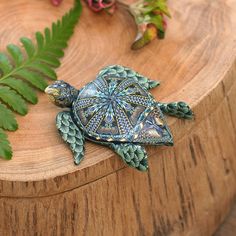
(55, 86)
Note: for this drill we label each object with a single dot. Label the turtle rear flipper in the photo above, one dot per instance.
(119, 71)
(133, 155)
(71, 134)
(177, 109)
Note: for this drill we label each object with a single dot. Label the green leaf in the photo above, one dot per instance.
(145, 38)
(22, 88)
(47, 33)
(5, 148)
(161, 4)
(32, 77)
(44, 69)
(40, 40)
(57, 52)
(54, 29)
(157, 21)
(146, 13)
(149, 8)
(60, 44)
(16, 70)
(15, 101)
(28, 45)
(5, 64)
(16, 54)
(7, 119)
(50, 60)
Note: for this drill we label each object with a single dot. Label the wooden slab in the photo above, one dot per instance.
(189, 188)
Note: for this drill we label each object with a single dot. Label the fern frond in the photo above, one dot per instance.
(15, 101)
(29, 46)
(7, 118)
(5, 65)
(22, 88)
(5, 148)
(43, 69)
(35, 79)
(22, 69)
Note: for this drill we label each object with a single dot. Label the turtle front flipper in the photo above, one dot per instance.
(119, 71)
(177, 109)
(71, 134)
(133, 155)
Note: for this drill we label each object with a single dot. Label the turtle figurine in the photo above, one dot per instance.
(115, 110)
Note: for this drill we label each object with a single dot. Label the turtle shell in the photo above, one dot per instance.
(115, 109)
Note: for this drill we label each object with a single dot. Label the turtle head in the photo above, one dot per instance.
(61, 93)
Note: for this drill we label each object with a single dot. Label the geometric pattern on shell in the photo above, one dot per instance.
(120, 110)
(115, 110)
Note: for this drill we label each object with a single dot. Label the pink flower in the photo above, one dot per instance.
(56, 2)
(98, 5)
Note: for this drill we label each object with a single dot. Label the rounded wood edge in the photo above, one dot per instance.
(81, 177)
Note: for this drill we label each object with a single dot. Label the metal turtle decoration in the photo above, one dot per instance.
(115, 110)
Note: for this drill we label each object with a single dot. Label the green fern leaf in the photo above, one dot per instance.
(47, 33)
(44, 69)
(29, 46)
(5, 65)
(57, 52)
(5, 148)
(22, 88)
(40, 40)
(7, 119)
(32, 77)
(50, 60)
(15, 101)
(16, 54)
(27, 67)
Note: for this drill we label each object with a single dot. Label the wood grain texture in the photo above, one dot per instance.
(190, 187)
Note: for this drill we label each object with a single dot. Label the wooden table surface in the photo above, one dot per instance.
(189, 188)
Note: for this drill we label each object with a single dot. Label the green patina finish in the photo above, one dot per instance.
(115, 110)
